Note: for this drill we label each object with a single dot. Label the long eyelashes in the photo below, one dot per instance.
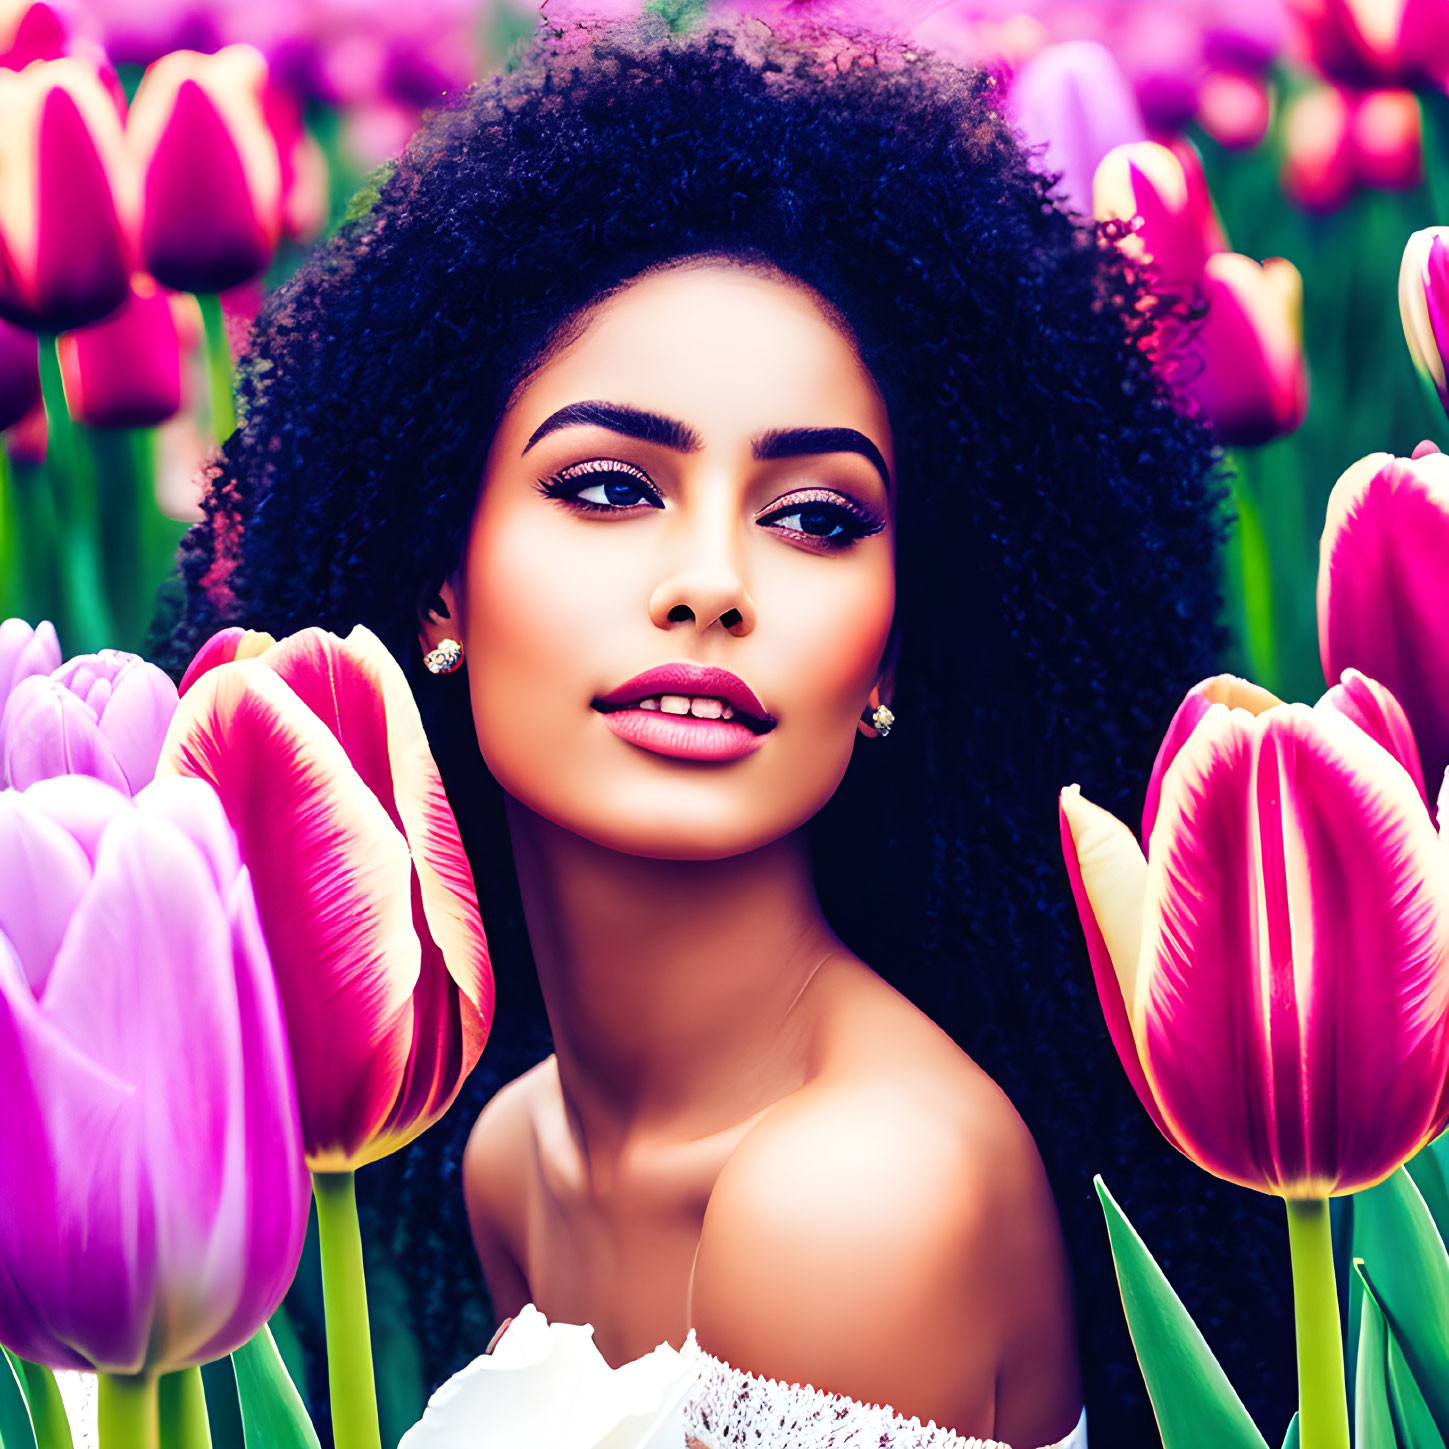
(826, 520)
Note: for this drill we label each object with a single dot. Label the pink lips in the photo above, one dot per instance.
(685, 737)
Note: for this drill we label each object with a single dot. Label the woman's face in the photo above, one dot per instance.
(702, 480)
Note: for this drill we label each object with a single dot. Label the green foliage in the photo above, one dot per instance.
(273, 1416)
(16, 1431)
(1196, 1406)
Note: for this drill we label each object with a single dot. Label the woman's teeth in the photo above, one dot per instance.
(701, 707)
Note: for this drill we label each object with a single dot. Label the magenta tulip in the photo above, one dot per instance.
(1424, 305)
(158, 1198)
(366, 896)
(32, 32)
(25, 651)
(1383, 591)
(210, 175)
(1073, 99)
(66, 220)
(103, 714)
(1369, 43)
(1275, 971)
(125, 372)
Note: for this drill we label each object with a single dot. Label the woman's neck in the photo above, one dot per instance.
(670, 985)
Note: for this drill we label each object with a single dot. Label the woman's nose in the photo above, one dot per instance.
(704, 582)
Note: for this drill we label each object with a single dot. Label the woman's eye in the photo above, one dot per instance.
(824, 522)
(603, 487)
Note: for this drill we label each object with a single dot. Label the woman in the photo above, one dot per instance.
(765, 362)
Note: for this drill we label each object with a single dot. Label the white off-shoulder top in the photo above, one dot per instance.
(547, 1384)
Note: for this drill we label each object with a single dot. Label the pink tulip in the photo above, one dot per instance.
(210, 174)
(366, 896)
(66, 222)
(1385, 140)
(1241, 366)
(1317, 171)
(19, 374)
(158, 1200)
(125, 372)
(1383, 590)
(1074, 99)
(25, 652)
(1377, 42)
(102, 714)
(30, 32)
(1234, 108)
(1275, 970)
(1424, 305)
(1178, 229)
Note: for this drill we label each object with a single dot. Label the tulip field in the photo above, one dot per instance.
(1279, 172)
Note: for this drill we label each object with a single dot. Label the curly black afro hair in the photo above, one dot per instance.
(1060, 524)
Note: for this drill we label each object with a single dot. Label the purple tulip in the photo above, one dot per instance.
(1074, 99)
(19, 374)
(151, 1114)
(25, 651)
(102, 714)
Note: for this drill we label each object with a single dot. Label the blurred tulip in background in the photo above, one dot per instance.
(19, 373)
(125, 372)
(211, 181)
(31, 32)
(1424, 305)
(1376, 42)
(66, 198)
(150, 1110)
(1383, 591)
(103, 714)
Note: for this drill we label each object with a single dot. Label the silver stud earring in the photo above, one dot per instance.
(881, 718)
(445, 658)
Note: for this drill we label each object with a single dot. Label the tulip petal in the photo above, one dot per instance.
(45, 731)
(1226, 689)
(1377, 713)
(1297, 907)
(222, 648)
(25, 651)
(77, 1243)
(45, 874)
(333, 882)
(81, 804)
(193, 808)
(1109, 877)
(1383, 590)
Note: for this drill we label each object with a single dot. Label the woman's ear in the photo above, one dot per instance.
(885, 688)
(438, 617)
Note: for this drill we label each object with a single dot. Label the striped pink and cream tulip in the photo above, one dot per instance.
(1424, 305)
(1383, 591)
(367, 901)
(1274, 971)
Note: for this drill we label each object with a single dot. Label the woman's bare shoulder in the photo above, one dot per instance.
(888, 1233)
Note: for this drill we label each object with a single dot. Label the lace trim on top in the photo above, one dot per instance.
(730, 1407)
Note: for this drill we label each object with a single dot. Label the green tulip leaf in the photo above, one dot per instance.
(1406, 1263)
(1373, 1424)
(1196, 1406)
(271, 1408)
(1413, 1424)
(47, 1408)
(1290, 1439)
(1430, 1170)
(16, 1431)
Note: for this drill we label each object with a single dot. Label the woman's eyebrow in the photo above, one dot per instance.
(669, 433)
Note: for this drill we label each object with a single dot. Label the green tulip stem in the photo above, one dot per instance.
(73, 489)
(350, 1381)
(128, 1412)
(1434, 129)
(184, 1424)
(1322, 1395)
(218, 366)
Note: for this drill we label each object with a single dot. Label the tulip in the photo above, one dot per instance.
(1377, 42)
(125, 372)
(1383, 590)
(1074, 99)
(150, 1111)
(1167, 190)
(31, 32)
(1424, 305)
(24, 652)
(1234, 108)
(66, 226)
(19, 374)
(1241, 366)
(1385, 137)
(317, 750)
(210, 174)
(1317, 171)
(1275, 971)
(103, 714)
